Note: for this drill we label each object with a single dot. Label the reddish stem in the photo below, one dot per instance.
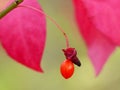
(58, 26)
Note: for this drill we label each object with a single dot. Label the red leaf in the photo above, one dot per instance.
(23, 35)
(100, 46)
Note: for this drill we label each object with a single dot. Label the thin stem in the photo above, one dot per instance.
(58, 26)
(12, 6)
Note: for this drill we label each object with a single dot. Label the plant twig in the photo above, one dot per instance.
(12, 6)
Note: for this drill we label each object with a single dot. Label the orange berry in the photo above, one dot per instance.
(67, 69)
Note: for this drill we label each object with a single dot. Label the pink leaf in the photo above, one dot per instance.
(105, 15)
(23, 35)
(100, 46)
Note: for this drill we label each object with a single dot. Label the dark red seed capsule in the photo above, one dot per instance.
(71, 54)
(67, 69)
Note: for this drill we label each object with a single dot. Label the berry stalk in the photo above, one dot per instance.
(52, 20)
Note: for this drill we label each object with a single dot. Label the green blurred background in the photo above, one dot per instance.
(14, 76)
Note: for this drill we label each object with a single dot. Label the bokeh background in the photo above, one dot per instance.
(14, 76)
